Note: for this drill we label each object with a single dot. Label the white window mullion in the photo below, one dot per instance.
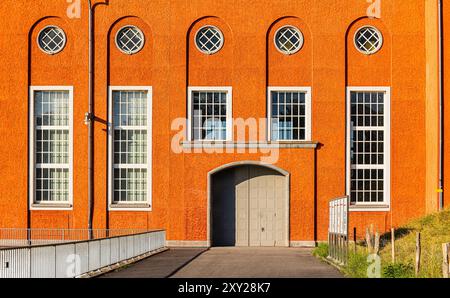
(209, 39)
(368, 154)
(51, 138)
(130, 141)
(209, 126)
(293, 126)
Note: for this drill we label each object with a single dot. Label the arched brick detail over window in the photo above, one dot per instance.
(210, 62)
(51, 46)
(368, 57)
(130, 58)
(289, 52)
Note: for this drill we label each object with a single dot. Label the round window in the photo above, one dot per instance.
(288, 40)
(209, 40)
(368, 40)
(51, 40)
(130, 40)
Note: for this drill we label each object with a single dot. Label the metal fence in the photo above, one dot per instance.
(338, 230)
(26, 237)
(67, 260)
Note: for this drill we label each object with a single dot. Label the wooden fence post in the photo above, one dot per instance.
(376, 245)
(393, 245)
(372, 235)
(445, 263)
(368, 241)
(418, 254)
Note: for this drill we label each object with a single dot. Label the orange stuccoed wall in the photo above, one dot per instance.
(248, 63)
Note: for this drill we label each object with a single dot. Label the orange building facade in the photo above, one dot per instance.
(344, 94)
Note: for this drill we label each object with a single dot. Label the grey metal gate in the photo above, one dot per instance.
(338, 230)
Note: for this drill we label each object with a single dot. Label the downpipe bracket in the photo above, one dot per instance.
(88, 118)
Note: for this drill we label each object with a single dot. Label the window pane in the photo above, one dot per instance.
(367, 147)
(288, 116)
(52, 146)
(130, 146)
(209, 118)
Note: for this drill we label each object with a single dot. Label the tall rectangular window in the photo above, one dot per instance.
(289, 114)
(210, 114)
(131, 147)
(369, 146)
(52, 145)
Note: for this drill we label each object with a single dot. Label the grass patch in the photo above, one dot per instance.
(399, 270)
(321, 250)
(357, 265)
(434, 229)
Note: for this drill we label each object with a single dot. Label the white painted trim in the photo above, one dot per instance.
(302, 40)
(308, 111)
(62, 46)
(229, 91)
(373, 51)
(222, 40)
(251, 145)
(116, 207)
(32, 151)
(369, 209)
(386, 205)
(130, 52)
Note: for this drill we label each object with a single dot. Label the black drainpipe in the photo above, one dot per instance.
(90, 120)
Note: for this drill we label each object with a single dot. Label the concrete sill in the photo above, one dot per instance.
(365, 208)
(51, 206)
(251, 145)
(129, 206)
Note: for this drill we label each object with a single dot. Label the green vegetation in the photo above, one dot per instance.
(357, 265)
(398, 270)
(321, 250)
(434, 229)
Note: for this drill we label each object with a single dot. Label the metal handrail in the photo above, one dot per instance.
(16, 237)
(76, 259)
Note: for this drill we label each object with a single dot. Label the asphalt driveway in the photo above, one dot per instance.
(257, 263)
(230, 262)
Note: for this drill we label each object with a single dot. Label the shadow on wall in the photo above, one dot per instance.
(224, 208)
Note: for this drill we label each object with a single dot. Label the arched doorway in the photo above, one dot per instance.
(249, 206)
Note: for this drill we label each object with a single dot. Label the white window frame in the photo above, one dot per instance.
(52, 52)
(229, 92)
(308, 113)
(129, 205)
(301, 40)
(386, 204)
(133, 52)
(33, 205)
(374, 51)
(221, 36)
